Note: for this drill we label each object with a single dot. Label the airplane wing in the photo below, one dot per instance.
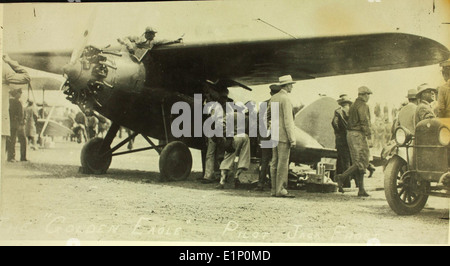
(53, 128)
(262, 62)
(45, 83)
(51, 62)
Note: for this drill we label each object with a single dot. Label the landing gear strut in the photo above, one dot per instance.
(175, 161)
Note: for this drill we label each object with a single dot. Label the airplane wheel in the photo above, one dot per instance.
(91, 161)
(175, 162)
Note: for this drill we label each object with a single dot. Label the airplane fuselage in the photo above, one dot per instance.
(130, 94)
(118, 87)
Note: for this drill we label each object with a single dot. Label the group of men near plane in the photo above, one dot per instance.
(352, 128)
(351, 124)
(239, 144)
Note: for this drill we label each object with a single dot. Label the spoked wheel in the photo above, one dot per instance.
(91, 159)
(400, 188)
(175, 162)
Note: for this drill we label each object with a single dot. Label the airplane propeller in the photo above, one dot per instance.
(78, 50)
(73, 68)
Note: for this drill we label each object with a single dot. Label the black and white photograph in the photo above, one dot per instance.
(225, 123)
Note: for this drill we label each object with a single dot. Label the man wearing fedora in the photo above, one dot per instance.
(358, 132)
(443, 106)
(406, 115)
(279, 166)
(426, 96)
(340, 124)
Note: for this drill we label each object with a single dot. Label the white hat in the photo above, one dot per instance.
(284, 80)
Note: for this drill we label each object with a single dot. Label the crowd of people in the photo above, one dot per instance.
(356, 135)
(352, 125)
(223, 152)
(85, 125)
(355, 132)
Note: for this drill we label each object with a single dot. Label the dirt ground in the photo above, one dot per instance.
(46, 200)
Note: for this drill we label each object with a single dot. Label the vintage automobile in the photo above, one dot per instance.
(418, 166)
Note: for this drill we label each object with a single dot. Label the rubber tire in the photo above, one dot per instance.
(175, 162)
(91, 161)
(390, 189)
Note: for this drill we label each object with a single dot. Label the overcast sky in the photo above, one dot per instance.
(42, 26)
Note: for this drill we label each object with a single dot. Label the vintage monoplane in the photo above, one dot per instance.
(138, 94)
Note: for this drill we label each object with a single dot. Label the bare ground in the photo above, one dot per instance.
(46, 199)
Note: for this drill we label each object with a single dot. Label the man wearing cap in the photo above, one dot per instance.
(279, 166)
(17, 124)
(12, 73)
(426, 96)
(145, 41)
(443, 109)
(357, 133)
(406, 115)
(340, 124)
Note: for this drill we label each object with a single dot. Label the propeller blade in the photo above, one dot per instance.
(85, 38)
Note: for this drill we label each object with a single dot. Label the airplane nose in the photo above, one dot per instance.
(73, 71)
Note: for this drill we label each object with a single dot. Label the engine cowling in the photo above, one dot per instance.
(93, 78)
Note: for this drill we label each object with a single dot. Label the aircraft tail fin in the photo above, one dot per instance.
(315, 119)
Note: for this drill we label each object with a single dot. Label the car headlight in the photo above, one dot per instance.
(444, 136)
(402, 136)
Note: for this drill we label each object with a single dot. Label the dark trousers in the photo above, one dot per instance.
(344, 160)
(17, 132)
(91, 133)
(266, 157)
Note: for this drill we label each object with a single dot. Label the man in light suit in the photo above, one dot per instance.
(286, 138)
